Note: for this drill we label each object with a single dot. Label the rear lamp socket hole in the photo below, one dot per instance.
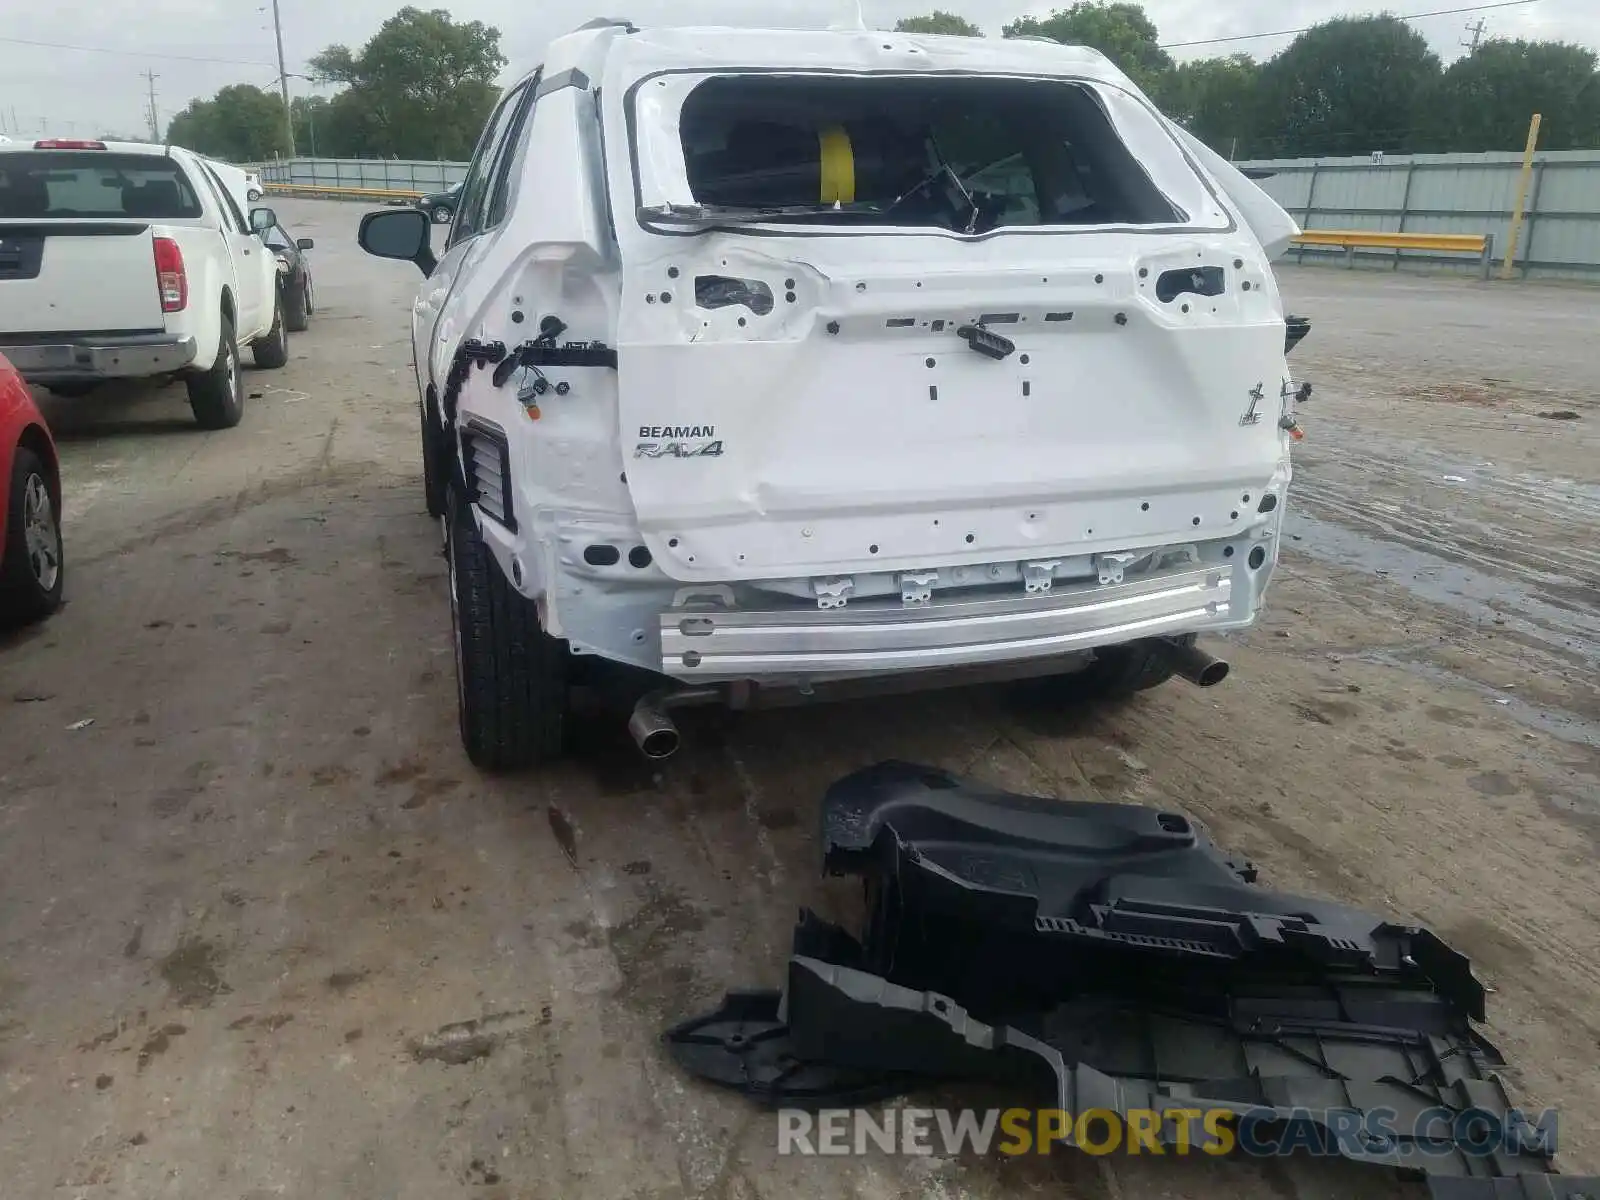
(1227, 552)
(971, 537)
(673, 542)
(1145, 507)
(1233, 516)
(1025, 360)
(1257, 557)
(639, 558)
(1196, 521)
(1099, 278)
(672, 272)
(872, 549)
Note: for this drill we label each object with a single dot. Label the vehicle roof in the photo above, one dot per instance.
(713, 49)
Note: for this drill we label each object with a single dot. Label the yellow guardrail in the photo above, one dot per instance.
(338, 191)
(1351, 240)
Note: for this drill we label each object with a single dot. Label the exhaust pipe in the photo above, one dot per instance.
(653, 729)
(1192, 663)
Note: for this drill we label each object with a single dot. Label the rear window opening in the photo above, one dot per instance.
(963, 154)
(94, 185)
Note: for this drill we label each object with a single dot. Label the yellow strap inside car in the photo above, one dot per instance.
(838, 165)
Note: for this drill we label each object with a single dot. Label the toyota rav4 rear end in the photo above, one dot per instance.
(929, 354)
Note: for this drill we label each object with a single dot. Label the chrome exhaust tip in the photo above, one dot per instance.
(1192, 663)
(652, 730)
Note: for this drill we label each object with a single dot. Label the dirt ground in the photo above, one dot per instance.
(239, 907)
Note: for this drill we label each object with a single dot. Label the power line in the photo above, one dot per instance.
(1250, 37)
(232, 62)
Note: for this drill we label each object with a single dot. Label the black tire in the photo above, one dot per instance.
(442, 214)
(511, 676)
(217, 396)
(1122, 671)
(32, 572)
(435, 481)
(310, 295)
(252, 195)
(71, 391)
(297, 308)
(272, 351)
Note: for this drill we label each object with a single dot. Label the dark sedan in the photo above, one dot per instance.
(294, 275)
(440, 206)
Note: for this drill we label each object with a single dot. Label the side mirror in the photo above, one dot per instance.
(400, 233)
(305, 244)
(262, 219)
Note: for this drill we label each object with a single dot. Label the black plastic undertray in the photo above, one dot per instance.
(1010, 901)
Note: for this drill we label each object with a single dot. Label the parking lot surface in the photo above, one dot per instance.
(247, 909)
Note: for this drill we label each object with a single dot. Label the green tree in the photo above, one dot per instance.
(1215, 99)
(240, 123)
(938, 21)
(422, 87)
(1484, 101)
(1120, 31)
(1348, 86)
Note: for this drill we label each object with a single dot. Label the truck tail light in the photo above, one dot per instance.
(171, 280)
(67, 144)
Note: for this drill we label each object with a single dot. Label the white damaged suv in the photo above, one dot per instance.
(758, 363)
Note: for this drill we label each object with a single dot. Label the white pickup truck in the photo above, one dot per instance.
(132, 260)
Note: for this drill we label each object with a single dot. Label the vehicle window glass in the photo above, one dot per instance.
(277, 238)
(510, 156)
(67, 184)
(230, 206)
(475, 187)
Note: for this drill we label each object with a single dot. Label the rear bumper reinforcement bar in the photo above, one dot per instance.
(717, 643)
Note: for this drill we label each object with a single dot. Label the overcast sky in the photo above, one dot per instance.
(197, 46)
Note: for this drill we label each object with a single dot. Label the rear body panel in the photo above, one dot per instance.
(850, 427)
(68, 275)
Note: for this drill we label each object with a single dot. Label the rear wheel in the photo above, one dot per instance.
(297, 306)
(442, 214)
(272, 351)
(31, 572)
(511, 676)
(1121, 671)
(71, 391)
(217, 396)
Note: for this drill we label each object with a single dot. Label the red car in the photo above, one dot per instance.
(31, 571)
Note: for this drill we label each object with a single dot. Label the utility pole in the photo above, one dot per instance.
(155, 124)
(1477, 36)
(283, 78)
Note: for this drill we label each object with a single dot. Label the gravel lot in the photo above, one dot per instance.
(237, 909)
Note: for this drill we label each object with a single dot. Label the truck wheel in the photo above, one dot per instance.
(217, 396)
(296, 309)
(31, 572)
(434, 480)
(272, 351)
(511, 676)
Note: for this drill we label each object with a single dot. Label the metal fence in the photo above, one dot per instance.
(337, 174)
(1452, 193)
(1425, 193)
